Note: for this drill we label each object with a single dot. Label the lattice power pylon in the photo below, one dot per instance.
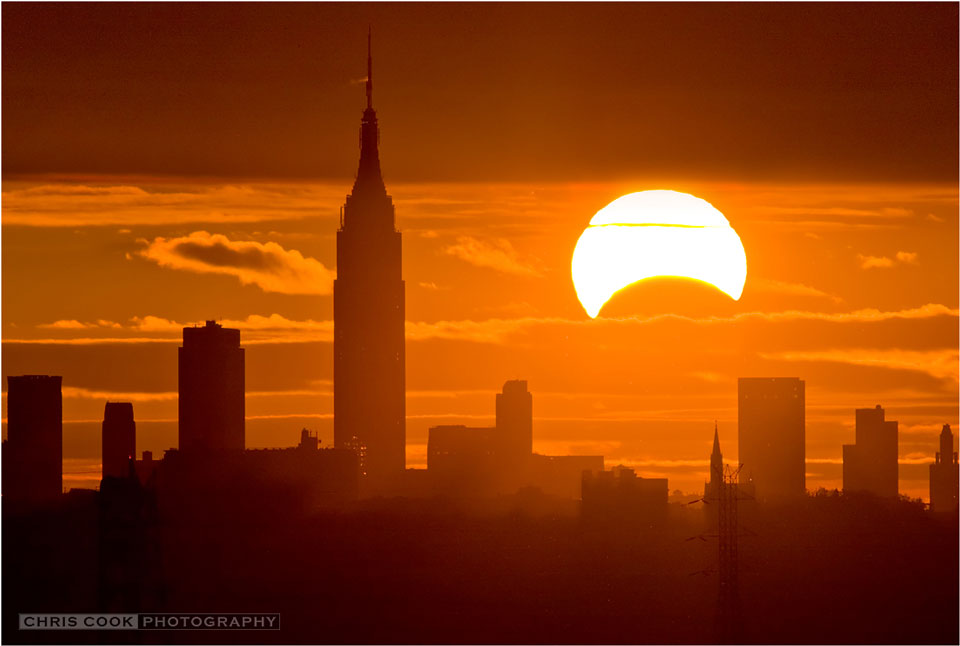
(729, 621)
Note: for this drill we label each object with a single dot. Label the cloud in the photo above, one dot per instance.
(885, 212)
(266, 265)
(870, 262)
(794, 289)
(70, 324)
(154, 202)
(940, 364)
(92, 341)
(497, 254)
(279, 329)
(70, 392)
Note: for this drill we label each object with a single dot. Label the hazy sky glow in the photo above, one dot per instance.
(154, 177)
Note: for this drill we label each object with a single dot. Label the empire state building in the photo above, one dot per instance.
(369, 407)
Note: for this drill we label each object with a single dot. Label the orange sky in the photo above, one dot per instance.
(832, 151)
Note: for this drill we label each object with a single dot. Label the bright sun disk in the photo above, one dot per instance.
(656, 233)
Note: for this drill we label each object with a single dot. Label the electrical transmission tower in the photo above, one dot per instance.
(729, 622)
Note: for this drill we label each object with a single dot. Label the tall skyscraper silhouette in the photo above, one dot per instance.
(515, 416)
(771, 420)
(945, 475)
(369, 385)
(33, 452)
(211, 403)
(870, 465)
(118, 439)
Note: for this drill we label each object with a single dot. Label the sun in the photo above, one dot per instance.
(656, 233)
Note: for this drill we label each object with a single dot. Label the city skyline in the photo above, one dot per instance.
(454, 380)
(835, 261)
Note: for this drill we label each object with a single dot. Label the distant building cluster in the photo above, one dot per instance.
(468, 461)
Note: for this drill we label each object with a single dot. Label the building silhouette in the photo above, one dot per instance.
(368, 317)
(770, 434)
(33, 452)
(870, 464)
(621, 496)
(118, 439)
(944, 475)
(711, 490)
(484, 461)
(313, 474)
(211, 384)
(467, 460)
(145, 467)
(515, 417)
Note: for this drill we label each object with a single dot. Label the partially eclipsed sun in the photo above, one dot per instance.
(656, 233)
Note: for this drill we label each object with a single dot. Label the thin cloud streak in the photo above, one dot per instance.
(497, 254)
(940, 364)
(279, 329)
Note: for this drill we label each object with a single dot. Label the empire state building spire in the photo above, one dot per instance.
(369, 70)
(369, 387)
(369, 180)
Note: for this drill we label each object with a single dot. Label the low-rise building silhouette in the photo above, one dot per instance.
(945, 475)
(562, 475)
(771, 422)
(33, 452)
(145, 467)
(293, 479)
(211, 385)
(118, 440)
(317, 475)
(870, 464)
(483, 461)
(621, 495)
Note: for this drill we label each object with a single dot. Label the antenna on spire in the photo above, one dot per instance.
(369, 69)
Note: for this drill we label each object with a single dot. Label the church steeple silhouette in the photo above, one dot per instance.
(711, 492)
(716, 454)
(368, 313)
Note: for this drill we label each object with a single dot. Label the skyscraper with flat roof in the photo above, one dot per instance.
(33, 452)
(211, 381)
(118, 439)
(515, 417)
(369, 387)
(870, 464)
(771, 427)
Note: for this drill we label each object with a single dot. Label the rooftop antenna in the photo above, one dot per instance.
(369, 69)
